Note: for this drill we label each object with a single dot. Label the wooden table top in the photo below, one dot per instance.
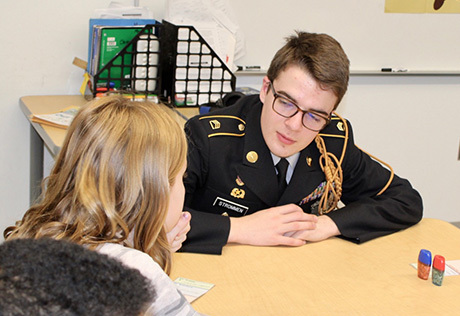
(332, 277)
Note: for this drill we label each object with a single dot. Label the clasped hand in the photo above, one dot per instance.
(284, 225)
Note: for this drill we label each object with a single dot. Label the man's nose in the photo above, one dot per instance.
(295, 122)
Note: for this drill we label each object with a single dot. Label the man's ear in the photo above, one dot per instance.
(264, 89)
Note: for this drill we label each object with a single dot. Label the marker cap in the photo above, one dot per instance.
(425, 257)
(439, 263)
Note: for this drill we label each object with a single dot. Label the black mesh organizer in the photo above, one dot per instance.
(171, 62)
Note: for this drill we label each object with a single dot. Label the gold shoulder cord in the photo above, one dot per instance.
(332, 168)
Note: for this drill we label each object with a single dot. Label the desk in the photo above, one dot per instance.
(52, 137)
(332, 277)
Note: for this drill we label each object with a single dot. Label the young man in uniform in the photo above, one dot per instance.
(240, 193)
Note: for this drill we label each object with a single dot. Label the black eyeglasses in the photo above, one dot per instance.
(312, 120)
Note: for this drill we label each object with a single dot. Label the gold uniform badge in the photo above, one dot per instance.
(238, 193)
(215, 124)
(340, 126)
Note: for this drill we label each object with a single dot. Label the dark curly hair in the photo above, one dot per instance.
(55, 277)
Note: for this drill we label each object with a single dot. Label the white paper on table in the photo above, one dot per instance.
(192, 289)
(452, 267)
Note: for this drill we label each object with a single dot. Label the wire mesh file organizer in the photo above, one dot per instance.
(171, 62)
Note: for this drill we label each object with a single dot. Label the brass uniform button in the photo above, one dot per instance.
(252, 156)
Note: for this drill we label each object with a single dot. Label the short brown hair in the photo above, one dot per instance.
(318, 54)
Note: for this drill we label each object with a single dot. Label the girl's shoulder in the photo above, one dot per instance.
(132, 258)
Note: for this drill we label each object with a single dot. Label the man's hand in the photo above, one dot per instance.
(325, 228)
(178, 234)
(268, 227)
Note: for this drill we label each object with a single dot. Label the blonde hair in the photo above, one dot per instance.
(112, 177)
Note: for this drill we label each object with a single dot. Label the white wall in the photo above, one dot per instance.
(372, 38)
(410, 122)
(38, 42)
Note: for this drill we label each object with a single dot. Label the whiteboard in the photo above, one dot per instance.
(371, 38)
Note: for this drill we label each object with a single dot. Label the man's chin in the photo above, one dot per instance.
(282, 151)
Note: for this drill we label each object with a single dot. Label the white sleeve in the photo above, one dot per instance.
(168, 301)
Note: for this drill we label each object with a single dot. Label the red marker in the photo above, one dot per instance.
(439, 265)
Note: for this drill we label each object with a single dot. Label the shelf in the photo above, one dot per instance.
(370, 73)
(250, 73)
(405, 73)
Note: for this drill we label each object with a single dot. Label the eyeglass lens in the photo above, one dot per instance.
(288, 109)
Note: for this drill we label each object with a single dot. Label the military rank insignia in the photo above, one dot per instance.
(340, 126)
(215, 124)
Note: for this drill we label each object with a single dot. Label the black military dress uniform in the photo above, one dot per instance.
(230, 172)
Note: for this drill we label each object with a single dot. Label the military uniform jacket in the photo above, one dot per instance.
(230, 172)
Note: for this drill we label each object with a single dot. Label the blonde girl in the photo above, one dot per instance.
(116, 187)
